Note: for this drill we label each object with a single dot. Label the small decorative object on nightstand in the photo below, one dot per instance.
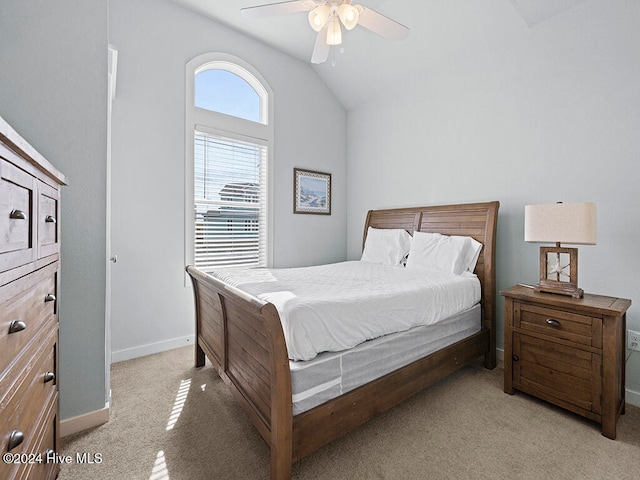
(567, 351)
(558, 223)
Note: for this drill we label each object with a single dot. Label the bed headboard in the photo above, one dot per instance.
(477, 220)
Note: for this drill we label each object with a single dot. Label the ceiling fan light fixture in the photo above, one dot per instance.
(349, 15)
(327, 17)
(334, 32)
(319, 16)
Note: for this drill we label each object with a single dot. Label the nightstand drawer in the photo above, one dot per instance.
(569, 374)
(580, 329)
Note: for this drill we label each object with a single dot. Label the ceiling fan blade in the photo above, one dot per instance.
(321, 49)
(381, 25)
(281, 8)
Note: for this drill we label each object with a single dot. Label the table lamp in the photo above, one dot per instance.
(573, 223)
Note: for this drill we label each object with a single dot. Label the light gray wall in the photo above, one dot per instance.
(53, 92)
(152, 309)
(552, 114)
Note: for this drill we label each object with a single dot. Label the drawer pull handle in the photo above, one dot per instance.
(17, 215)
(515, 358)
(15, 439)
(49, 297)
(50, 219)
(553, 323)
(49, 377)
(17, 326)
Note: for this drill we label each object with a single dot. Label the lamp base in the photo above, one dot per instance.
(560, 288)
(559, 271)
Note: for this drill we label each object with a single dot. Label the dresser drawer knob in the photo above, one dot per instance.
(17, 215)
(50, 219)
(49, 297)
(516, 358)
(49, 377)
(553, 323)
(15, 439)
(17, 326)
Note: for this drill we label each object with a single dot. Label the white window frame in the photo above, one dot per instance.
(226, 126)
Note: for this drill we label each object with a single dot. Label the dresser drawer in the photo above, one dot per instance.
(45, 447)
(48, 212)
(48, 446)
(576, 328)
(28, 304)
(27, 403)
(17, 206)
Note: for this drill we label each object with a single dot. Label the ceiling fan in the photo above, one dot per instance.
(325, 17)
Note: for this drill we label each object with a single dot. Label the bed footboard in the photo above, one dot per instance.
(242, 337)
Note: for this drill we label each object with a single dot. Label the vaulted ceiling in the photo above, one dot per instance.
(364, 63)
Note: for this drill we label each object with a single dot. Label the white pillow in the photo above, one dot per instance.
(386, 246)
(433, 251)
(473, 254)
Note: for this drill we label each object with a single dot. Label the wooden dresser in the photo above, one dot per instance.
(567, 351)
(29, 265)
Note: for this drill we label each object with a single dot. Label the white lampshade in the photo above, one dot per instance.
(334, 33)
(348, 15)
(319, 16)
(573, 223)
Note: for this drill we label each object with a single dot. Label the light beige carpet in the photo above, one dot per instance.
(170, 421)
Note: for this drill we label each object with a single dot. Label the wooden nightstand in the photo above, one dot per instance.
(567, 351)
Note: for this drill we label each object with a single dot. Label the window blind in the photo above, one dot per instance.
(230, 202)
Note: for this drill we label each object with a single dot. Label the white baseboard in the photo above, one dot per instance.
(630, 396)
(85, 421)
(151, 348)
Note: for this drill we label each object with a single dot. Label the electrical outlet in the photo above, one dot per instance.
(633, 340)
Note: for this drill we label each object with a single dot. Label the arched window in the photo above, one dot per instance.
(229, 132)
(220, 90)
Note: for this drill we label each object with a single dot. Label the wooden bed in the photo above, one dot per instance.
(242, 337)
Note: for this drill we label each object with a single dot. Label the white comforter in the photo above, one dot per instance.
(337, 306)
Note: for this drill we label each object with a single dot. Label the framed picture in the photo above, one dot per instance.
(311, 192)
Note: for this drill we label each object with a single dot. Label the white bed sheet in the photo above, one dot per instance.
(331, 374)
(330, 308)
